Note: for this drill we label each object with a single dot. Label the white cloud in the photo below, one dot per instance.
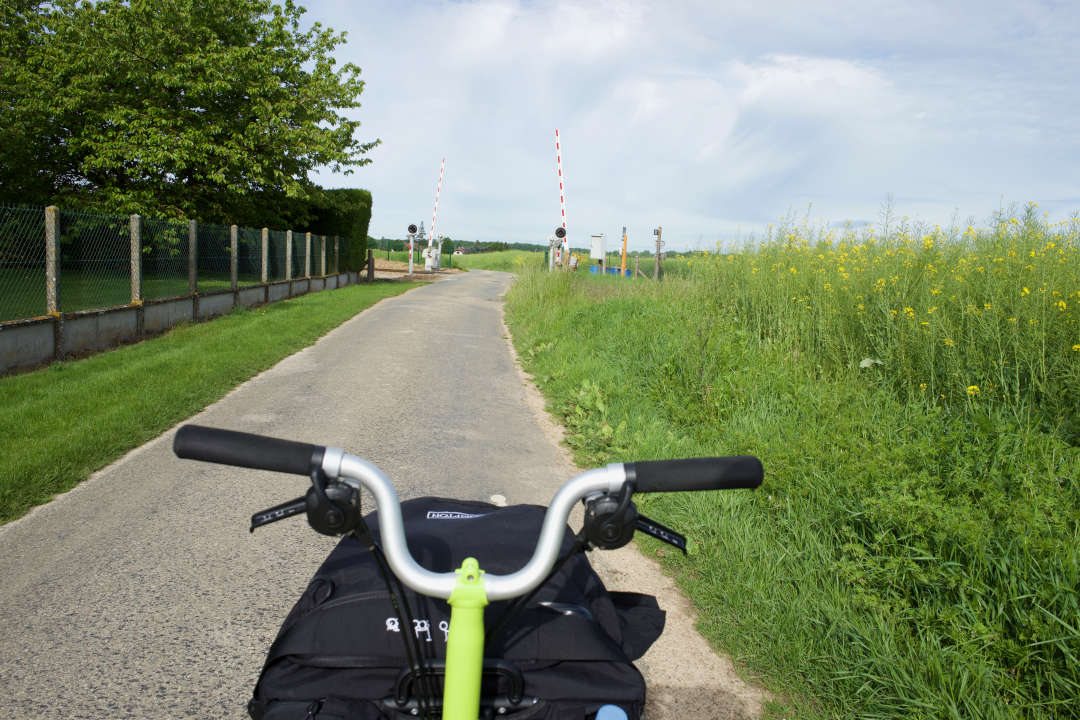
(709, 117)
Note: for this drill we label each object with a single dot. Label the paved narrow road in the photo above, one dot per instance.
(140, 594)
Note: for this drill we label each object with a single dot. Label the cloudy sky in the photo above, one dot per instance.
(712, 119)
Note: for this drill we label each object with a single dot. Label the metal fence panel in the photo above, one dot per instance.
(164, 258)
(278, 261)
(316, 255)
(213, 258)
(248, 256)
(94, 255)
(298, 254)
(95, 260)
(22, 262)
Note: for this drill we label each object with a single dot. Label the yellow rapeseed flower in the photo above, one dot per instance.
(1060, 304)
(949, 342)
(973, 390)
(1076, 348)
(1025, 291)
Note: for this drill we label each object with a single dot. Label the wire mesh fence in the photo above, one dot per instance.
(213, 258)
(277, 261)
(298, 254)
(94, 254)
(165, 255)
(331, 255)
(248, 256)
(317, 255)
(95, 260)
(22, 262)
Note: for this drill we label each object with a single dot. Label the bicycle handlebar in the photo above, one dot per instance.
(229, 447)
(265, 453)
(711, 473)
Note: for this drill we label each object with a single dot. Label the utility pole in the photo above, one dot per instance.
(658, 232)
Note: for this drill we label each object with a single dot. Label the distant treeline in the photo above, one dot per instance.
(449, 245)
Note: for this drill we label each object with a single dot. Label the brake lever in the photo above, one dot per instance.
(278, 512)
(661, 532)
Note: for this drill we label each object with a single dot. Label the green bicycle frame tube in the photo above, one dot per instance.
(465, 645)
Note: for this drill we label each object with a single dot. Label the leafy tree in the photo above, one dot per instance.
(178, 108)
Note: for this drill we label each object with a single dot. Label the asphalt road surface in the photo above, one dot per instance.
(140, 594)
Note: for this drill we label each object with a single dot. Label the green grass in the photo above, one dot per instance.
(514, 261)
(908, 556)
(22, 293)
(61, 423)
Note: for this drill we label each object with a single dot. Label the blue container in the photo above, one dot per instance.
(594, 269)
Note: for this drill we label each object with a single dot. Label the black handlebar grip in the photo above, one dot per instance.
(713, 473)
(229, 447)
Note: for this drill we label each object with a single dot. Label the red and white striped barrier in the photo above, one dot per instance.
(438, 189)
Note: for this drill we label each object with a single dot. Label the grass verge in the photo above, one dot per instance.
(61, 423)
(902, 559)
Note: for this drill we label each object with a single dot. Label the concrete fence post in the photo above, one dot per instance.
(52, 278)
(193, 256)
(288, 257)
(136, 258)
(322, 258)
(307, 255)
(52, 260)
(337, 254)
(234, 247)
(265, 254)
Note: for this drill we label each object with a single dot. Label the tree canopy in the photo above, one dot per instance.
(177, 108)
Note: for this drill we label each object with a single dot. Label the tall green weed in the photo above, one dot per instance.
(909, 555)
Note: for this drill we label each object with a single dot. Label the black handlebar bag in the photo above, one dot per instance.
(340, 653)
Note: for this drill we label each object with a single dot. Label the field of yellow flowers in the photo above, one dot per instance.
(970, 320)
(913, 396)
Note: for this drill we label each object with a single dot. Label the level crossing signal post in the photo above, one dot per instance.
(558, 247)
(412, 239)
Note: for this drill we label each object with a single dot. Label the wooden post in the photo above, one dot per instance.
(135, 223)
(265, 254)
(193, 256)
(52, 260)
(288, 258)
(370, 265)
(307, 255)
(233, 259)
(52, 278)
(636, 271)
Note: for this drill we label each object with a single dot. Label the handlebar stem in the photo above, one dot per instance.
(360, 473)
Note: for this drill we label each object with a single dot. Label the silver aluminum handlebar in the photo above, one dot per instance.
(337, 464)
